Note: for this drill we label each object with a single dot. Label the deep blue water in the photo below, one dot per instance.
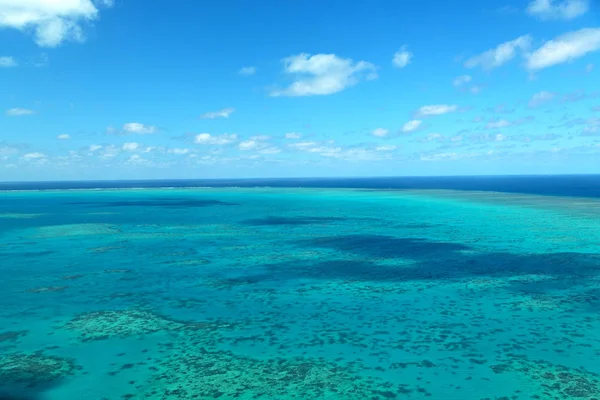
(548, 185)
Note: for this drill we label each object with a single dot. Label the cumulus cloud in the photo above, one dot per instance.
(63, 136)
(499, 55)
(557, 9)
(224, 113)
(566, 47)
(178, 151)
(388, 147)
(541, 98)
(380, 132)
(322, 74)
(95, 147)
(411, 126)
(402, 57)
(247, 71)
(293, 135)
(51, 22)
(19, 112)
(207, 138)
(137, 128)
(7, 62)
(437, 109)
(248, 145)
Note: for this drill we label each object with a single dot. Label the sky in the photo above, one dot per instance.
(131, 89)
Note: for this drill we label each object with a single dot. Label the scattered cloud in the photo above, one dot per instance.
(248, 145)
(224, 113)
(322, 74)
(247, 71)
(52, 22)
(402, 57)
(461, 80)
(437, 109)
(131, 146)
(380, 132)
(502, 123)
(540, 98)
(566, 47)
(411, 126)
(136, 128)
(293, 135)
(557, 9)
(387, 147)
(94, 147)
(500, 109)
(499, 55)
(34, 156)
(7, 62)
(63, 136)
(207, 138)
(19, 112)
(178, 151)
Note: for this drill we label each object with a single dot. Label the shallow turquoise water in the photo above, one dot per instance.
(298, 293)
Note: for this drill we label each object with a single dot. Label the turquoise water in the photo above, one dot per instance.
(298, 294)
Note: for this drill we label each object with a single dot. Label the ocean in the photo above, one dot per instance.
(465, 288)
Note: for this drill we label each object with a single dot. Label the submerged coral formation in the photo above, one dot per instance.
(33, 370)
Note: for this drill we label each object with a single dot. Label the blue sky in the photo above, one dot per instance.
(112, 89)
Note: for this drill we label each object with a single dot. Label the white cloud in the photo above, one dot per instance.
(7, 62)
(566, 47)
(207, 138)
(131, 146)
(502, 123)
(322, 74)
(499, 55)
(380, 132)
(461, 80)
(248, 145)
(247, 71)
(411, 126)
(541, 98)
(402, 58)
(437, 109)
(260, 137)
(224, 113)
(302, 145)
(34, 156)
(178, 151)
(63, 136)
(270, 150)
(95, 147)
(19, 112)
(388, 147)
(51, 21)
(139, 129)
(293, 135)
(557, 9)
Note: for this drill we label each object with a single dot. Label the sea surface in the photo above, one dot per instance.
(390, 288)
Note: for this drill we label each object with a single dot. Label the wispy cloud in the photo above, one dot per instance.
(63, 136)
(461, 80)
(246, 71)
(437, 109)
(19, 112)
(566, 47)
(402, 57)
(293, 135)
(380, 132)
(557, 9)
(322, 74)
(137, 128)
(411, 126)
(224, 113)
(8, 62)
(499, 55)
(207, 138)
(540, 98)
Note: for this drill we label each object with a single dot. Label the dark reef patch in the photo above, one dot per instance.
(158, 202)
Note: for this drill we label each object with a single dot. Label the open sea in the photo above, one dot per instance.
(372, 288)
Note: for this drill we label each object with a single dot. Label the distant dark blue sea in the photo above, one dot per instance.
(462, 288)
